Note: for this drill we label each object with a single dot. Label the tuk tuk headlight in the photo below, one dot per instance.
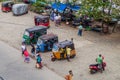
(23, 40)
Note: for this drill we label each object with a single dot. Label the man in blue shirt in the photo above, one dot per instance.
(80, 30)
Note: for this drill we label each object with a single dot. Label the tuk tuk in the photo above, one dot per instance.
(42, 20)
(7, 6)
(45, 42)
(59, 50)
(31, 34)
(76, 21)
(20, 9)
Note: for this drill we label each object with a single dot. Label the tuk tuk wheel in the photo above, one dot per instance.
(26, 12)
(72, 56)
(92, 71)
(53, 59)
(6, 11)
(15, 14)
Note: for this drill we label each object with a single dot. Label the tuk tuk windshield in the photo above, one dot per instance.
(46, 20)
(26, 33)
(39, 41)
(4, 4)
(7, 4)
(55, 47)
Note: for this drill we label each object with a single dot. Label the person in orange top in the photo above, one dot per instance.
(69, 76)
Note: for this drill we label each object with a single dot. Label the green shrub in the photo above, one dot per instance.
(37, 7)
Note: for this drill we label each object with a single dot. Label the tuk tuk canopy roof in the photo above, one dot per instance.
(36, 29)
(65, 43)
(48, 36)
(6, 2)
(41, 17)
(20, 4)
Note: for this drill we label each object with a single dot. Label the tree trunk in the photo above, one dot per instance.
(102, 26)
(110, 7)
(105, 28)
(114, 27)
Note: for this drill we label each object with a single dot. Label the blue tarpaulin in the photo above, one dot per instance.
(75, 8)
(61, 6)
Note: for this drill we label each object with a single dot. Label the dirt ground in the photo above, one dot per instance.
(88, 47)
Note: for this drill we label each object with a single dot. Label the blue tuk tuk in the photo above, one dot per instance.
(45, 42)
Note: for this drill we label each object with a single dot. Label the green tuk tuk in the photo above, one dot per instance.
(31, 34)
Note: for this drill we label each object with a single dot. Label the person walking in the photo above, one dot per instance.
(68, 50)
(59, 19)
(27, 58)
(23, 48)
(62, 52)
(38, 61)
(80, 28)
(56, 20)
(69, 76)
(33, 50)
(72, 39)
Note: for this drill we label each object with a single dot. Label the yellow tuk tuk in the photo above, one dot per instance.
(59, 50)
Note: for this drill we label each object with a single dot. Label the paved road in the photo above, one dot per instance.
(12, 67)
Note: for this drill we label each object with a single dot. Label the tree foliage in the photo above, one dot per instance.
(39, 6)
(117, 10)
(98, 9)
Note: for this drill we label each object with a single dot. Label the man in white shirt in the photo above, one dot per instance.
(56, 19)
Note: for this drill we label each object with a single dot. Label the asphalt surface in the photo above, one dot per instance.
(13, 67)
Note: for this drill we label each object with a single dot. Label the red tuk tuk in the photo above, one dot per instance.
(42, 20)
(7, 6)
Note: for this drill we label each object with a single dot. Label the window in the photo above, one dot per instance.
(26, 33)
(40, 41)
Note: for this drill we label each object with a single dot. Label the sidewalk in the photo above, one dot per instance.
(12, 67)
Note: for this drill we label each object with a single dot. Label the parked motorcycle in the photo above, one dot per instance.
(95, 68)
